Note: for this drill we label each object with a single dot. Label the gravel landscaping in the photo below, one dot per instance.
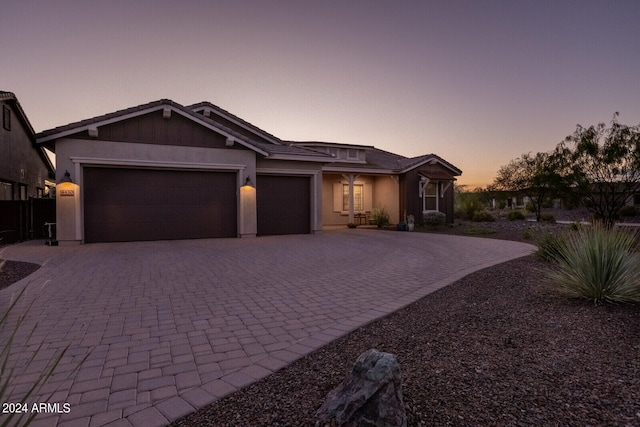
(498, 347)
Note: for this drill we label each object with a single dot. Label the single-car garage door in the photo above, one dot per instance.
(147, 204)
(283, 204)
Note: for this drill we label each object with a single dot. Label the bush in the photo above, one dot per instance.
(482, 216)
(628, 210)
(529, 207)
(598, 264)
(434, 218)
(547, 218)
(351, 225)
(467, 204)
(515, 216)
(380, 216)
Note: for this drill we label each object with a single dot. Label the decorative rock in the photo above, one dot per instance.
(371, 395)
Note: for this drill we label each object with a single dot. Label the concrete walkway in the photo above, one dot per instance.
(168, 327)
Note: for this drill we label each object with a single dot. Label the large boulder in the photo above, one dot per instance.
(371, 395)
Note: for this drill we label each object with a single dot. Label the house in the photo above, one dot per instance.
(362, 178)
(25, 169)
(166, 171)
(27, 176)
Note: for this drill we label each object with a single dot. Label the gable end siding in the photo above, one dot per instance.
(152, 128)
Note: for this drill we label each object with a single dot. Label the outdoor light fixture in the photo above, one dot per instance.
(248, 182)
(66, 177)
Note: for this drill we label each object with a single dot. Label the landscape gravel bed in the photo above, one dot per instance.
(12, 271)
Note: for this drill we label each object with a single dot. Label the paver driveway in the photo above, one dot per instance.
(171, 326)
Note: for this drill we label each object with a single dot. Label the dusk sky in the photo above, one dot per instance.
(476, 82)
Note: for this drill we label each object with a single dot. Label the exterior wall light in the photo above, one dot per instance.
(249, 183)
(66, 177)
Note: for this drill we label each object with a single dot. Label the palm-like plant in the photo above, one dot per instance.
(598, 264)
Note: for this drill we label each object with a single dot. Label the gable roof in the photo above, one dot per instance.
(271, 151)
(12, 99)
(207, 106)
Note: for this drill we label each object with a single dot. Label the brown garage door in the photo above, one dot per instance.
(145, 204)
(283, 204)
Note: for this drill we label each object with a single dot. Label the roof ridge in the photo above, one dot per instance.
(233, 116)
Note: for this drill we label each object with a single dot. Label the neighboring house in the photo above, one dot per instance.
(165, 171)
(363, 178)
(25, 169)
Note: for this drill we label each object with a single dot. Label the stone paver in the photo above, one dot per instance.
(171, 326)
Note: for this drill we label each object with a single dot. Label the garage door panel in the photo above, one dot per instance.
(137, 204)
(283, 204)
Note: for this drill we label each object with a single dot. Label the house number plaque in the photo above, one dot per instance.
(67, 192)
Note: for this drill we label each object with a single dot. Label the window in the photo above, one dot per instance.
(6, 117)
(358, 197)
(333, 152)
(6, 191)
(352, 154)
(430, 197)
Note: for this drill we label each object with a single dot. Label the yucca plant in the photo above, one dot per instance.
(598, 264)
(9, 369)
(549, 245)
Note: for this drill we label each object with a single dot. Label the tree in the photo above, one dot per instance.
(602, 167)
(535, 176)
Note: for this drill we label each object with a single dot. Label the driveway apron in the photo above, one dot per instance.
(167, 327)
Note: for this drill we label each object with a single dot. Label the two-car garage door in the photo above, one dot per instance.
(146, 204)
(122, 204)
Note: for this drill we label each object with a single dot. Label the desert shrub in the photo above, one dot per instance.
(434, 218)
(628, 210)
(527, 235)
(351, 225)
(380, 216)
(547, 218)
(529, 207)
(515, 216)
(549, 245)
(598, 264)
(467, 204)
(482, 216)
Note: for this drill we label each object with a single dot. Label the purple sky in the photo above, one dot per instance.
(476, 82)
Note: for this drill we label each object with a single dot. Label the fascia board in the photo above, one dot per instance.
(432, 160)
(262, 134)
(363, 170)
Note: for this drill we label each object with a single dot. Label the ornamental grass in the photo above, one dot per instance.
(598, 264)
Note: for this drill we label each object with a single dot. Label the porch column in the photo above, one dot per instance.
(351, 179)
